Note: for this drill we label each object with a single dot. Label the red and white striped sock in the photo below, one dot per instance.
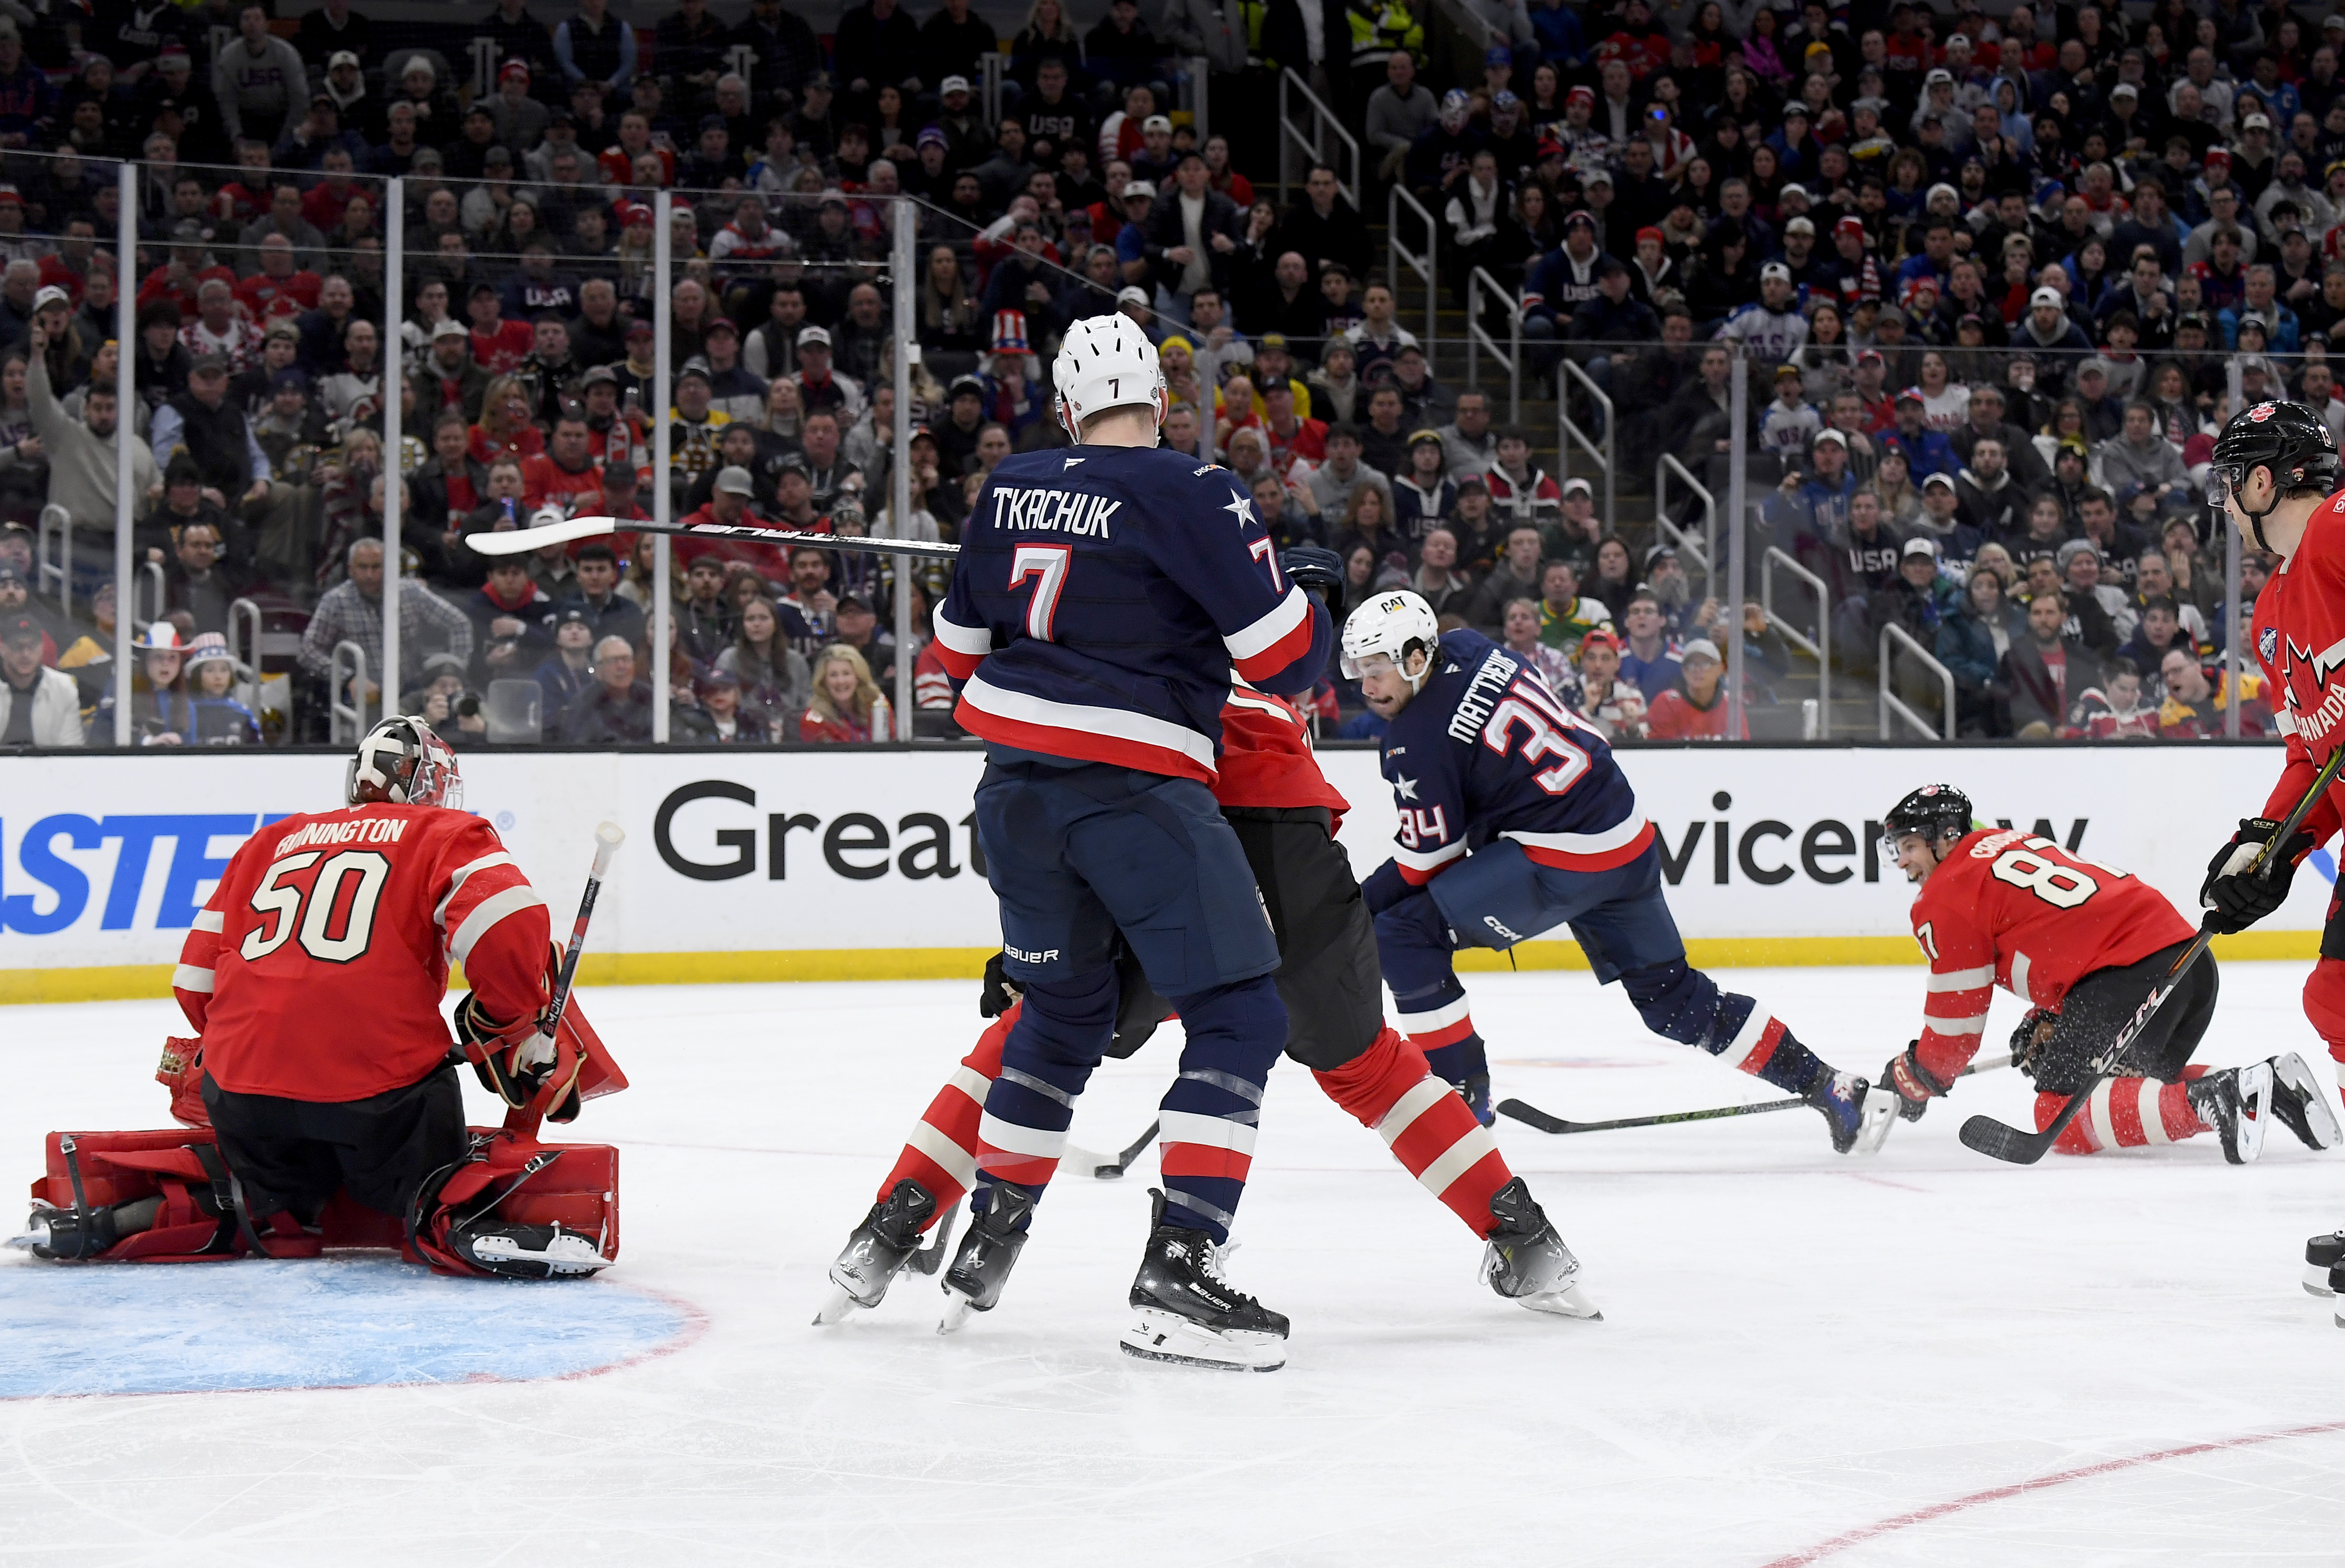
(1428, 1128)
(2126, 1114)
(941, 1153)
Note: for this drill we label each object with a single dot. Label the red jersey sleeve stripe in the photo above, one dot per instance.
(1418, 867)
(460, 876)
(961, 648)
(1274, 642)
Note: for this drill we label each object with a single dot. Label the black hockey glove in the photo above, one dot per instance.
(2033, 1033)
(1385, 887)
(1312, 568)
(2234, 894)
(511, 1059)
(1912, 1083)
(1001, 992)
(1138, 1009)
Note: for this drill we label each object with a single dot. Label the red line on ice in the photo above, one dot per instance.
(1840, 1543)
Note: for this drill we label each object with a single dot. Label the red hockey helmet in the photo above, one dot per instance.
(402, 763)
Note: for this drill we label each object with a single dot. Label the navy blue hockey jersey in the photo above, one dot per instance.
(1103, 595)
(1484, 750)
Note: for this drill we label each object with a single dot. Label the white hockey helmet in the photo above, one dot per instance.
(1392, 625)
(1104, 362)
(402, 762)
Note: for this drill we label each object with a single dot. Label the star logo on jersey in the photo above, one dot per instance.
(1241, 508)
(1404, 788)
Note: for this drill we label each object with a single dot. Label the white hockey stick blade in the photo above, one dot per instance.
(522, 541)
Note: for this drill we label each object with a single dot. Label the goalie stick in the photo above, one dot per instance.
(520, 541)
(1999, 1141)
(1532, 1116)
(1106, 1167)
(608, 836)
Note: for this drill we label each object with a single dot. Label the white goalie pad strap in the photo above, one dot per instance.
(950, 1158)
(1010, 1138)
(1428, 1093)
(2153, 1117)
(187, 977)
(1206, 1132)
(1458, 1159)
(211, 920)
(1961, 979)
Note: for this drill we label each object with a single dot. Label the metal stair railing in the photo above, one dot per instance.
(1323, 120)
(1424, 266)
(245, 613)
(1820, 646)
(353, 712)
(1704, 550)
(1894, 706)
(1567, 431)
(1510, 358)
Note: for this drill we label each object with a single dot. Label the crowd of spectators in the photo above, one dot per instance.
(1988, 272)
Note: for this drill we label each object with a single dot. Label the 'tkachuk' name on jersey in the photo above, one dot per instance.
(1103, 600)
(1484, 750)
(2006, 908)
(2299, 631)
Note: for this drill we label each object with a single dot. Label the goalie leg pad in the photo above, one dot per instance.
(516, 1207)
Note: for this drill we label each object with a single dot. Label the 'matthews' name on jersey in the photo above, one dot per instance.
(1053, 511)
(1481, 697)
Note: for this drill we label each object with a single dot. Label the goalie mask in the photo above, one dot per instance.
(401, 762)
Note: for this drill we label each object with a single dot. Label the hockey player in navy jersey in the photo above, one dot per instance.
(1104, 597)
(1514, 820)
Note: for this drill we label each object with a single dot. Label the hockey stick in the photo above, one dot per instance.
(1532, 1116)
(1101, 1168)
(1998, 1141)
(522, 541)
(608, 836)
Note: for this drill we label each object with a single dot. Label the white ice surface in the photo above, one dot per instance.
(1796, 1345)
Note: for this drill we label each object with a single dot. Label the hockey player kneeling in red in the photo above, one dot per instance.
(2083, 944)
(322, 1073)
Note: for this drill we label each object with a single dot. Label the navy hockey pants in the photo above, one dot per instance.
(1076, 855)
(1500, 896)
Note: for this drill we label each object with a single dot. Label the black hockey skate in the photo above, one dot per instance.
(1188, 1314)
(988, 1252)
(2235, 1105)
(2304, 1105)
(1528, 1263)
(1476, 1092)
(2323, 1255)
(1860, 1117)
(880, 1248)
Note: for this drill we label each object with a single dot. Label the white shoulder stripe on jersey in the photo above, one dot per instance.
(1955, 1025)
(187, 977)
(1118, 723)
(462, 875)
(1292, 612)
(1424, 861)
(488, 912)
(1961, 979)
(1619, 835)
(211, 920)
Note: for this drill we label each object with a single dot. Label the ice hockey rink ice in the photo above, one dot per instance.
(1922, 1359)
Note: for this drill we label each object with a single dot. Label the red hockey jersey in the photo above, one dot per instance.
(2006, 908)
(2300, 642)
(315, 971)
(1266, 759)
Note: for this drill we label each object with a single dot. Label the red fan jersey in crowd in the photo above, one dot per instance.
(2300, 643)
(499, 351)
(316, 970)
(268, 298)
(180, 290)
(544, 480)
(2006, 908)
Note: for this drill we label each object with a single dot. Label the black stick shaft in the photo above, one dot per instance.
(608, 836)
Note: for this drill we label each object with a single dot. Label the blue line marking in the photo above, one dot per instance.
(334, 1322)
(2324, 862)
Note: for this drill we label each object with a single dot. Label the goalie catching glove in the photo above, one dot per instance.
(1911, 1083)
(513, 1060)
(2235, 894)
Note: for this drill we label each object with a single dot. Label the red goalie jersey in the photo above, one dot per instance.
(2006, 908)
(317, 970)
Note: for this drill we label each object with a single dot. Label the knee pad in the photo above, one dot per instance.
(1247, 1020)
(1070, 1022)
(2324, 999)
(1680, 1002)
